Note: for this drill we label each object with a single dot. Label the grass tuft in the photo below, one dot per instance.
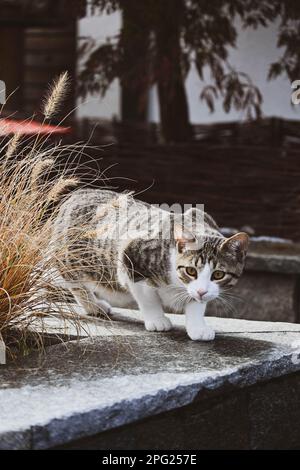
(28, 188)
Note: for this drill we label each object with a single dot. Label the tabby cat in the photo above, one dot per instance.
(126, 253)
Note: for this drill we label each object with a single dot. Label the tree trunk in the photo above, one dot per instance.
(174, 113)
(134, 82)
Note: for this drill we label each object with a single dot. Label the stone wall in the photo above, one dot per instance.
(265, 416)
(121, 387)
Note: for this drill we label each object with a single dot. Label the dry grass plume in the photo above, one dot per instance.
(55, 96)
(27, 192)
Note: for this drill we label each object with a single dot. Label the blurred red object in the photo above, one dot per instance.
(12, 126)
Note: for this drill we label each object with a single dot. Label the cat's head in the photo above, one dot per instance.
(210, 265)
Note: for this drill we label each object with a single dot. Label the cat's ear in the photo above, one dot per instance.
(184, 239)
(237, 243)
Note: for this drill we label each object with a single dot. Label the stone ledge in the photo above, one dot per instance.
(272, 256)
(107, 381)
(261, 416)
(275, 263)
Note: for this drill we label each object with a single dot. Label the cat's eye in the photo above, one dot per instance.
(192, 272)
(217, 275)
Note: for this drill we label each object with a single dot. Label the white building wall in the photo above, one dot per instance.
(255, 51)
(99, 28)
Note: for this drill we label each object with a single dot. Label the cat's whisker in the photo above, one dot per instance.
(223, 306)
(233, 298)
(227, 304)
(229, 293)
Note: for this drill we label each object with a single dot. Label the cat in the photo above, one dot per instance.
(122, 252)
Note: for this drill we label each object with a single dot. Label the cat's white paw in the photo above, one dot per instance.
(104, 307)
(158, 324)
(205, 333)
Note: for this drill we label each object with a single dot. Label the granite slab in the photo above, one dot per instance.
(102, 381)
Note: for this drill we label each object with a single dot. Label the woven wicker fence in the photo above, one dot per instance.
(239, 185)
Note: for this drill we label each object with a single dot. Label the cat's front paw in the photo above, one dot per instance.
(158, 324)
(205, 333)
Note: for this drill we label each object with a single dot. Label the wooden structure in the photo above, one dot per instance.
(265, 132)
(37, 42)
(257, 186)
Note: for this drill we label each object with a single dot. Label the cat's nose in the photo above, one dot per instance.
(201, 292)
